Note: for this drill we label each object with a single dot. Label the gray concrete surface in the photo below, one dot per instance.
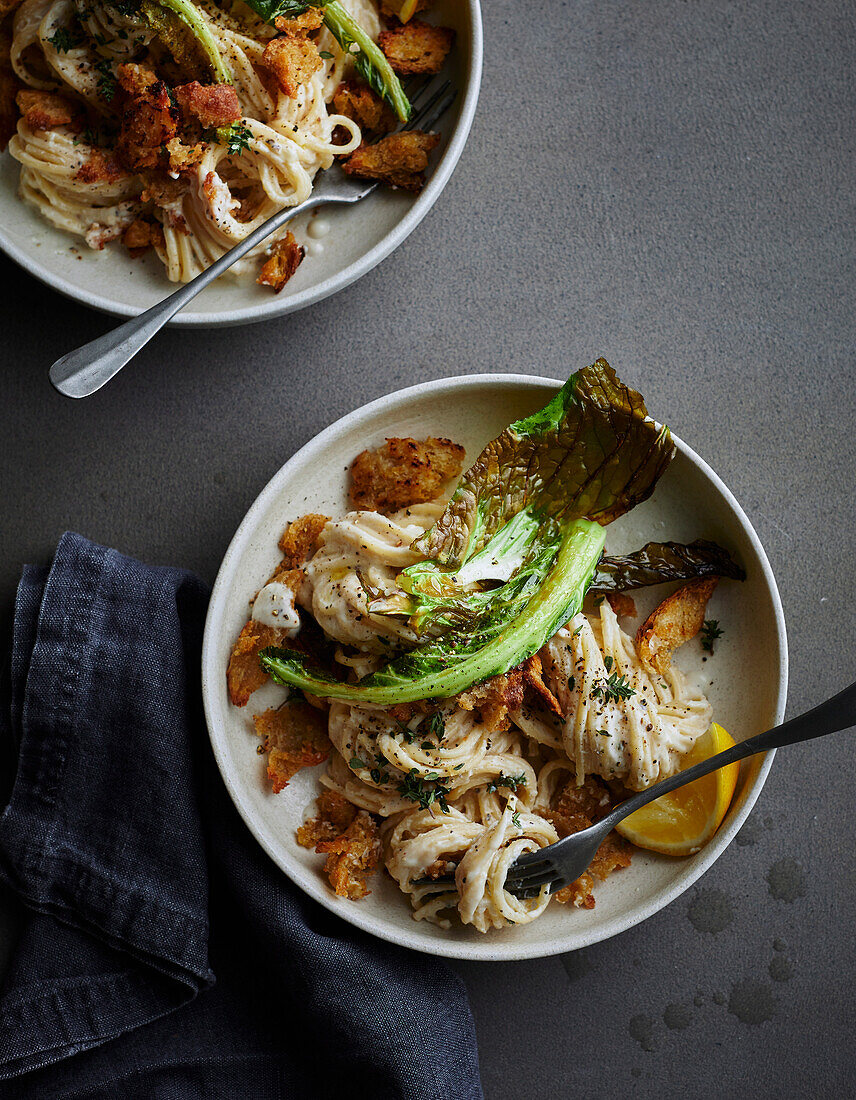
(669, 185)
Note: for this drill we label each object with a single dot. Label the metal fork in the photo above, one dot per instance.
(86, 369)
(560, 864)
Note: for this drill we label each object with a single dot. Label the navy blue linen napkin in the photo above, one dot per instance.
(162, 953)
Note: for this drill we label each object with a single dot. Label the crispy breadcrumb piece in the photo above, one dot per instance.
(292, 60)
(212, 104)
(184, 158)
(162, 190)
(100, 167)
(575, 809)
(416, 47)
(149, 121)
(47, 110)
(403, 472)
(623, 605)
(245, 674)
(294, 736)
(533, 678)
(135, 79)
(397, 159)
(301, 539)
(352, 857)
(494, 698)
(141, 235)
(357, 101)
(310, 20)
(335, 814)
(283, 260)
(678, 618)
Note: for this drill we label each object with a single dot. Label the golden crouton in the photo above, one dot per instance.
(352, 857)
(283, 260)
(335, 814)
(310, 20)
(211, 105)
(494, 699)
(300, 540)
(294, 736)
(292, 60)
(575, 809)
(416, 47)
(403, 472)
(245, 674)
(397, 159)
(678, 618)
(184, 158)
(357, 101)
(47, 110)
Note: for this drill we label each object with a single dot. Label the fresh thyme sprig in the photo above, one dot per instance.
(709, 633)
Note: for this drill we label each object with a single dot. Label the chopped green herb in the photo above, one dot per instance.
(515, 819)
(607, 662)
(106, 80)
(510, 781)
(424, 791)
(615, 688)
(325, 54)
(355, 762)
(603, 733)
(236, 137)
(437, 725)
(64, 40)
(709, 633)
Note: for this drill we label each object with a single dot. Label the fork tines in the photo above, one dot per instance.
(430, 100)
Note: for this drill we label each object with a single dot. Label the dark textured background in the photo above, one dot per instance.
(670, 185)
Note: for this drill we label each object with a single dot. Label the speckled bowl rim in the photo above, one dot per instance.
(271, 307)
(488, 950)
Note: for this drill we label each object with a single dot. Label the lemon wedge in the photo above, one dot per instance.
(682, 822)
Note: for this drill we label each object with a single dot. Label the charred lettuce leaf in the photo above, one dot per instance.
(592, 451)
(512, 556)
(658, 562)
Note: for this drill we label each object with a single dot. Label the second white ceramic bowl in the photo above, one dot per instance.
(359, 237)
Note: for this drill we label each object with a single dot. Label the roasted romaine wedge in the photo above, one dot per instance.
(513, 554)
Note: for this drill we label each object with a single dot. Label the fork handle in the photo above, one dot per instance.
(836, 714)
(86, 369)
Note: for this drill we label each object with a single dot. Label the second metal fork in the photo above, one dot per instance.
(560, 864)
(86, 369)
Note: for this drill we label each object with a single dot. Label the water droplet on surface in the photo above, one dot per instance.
(752, 1002)
(642, 1030)
(710, 911)
(780, 969)
(786, 881)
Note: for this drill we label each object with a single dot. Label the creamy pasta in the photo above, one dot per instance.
(497, 783)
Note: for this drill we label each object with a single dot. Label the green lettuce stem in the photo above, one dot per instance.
(190, 16)
(342, 25)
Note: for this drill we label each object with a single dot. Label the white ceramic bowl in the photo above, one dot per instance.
(358, 240)
(748, 671)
